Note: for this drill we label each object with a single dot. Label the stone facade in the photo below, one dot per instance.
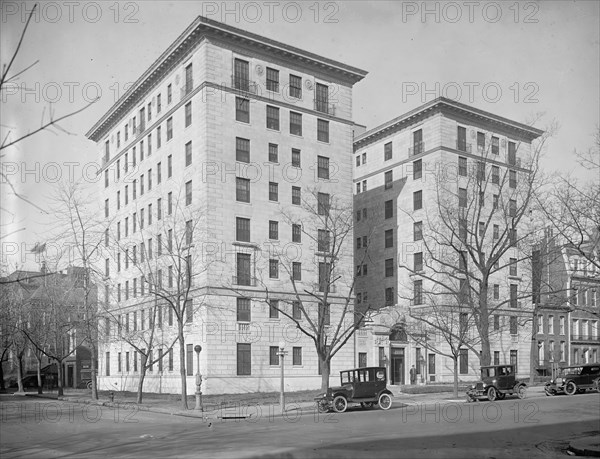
(214, 97)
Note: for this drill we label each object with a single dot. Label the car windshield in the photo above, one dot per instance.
(570, 371)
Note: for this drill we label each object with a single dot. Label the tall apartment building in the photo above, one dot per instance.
(566, 294)
(212, 150)
(438, 190)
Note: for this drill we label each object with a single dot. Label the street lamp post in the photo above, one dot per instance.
(281, 355)
(198, 348)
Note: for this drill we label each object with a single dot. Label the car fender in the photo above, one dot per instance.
(342, 393)
(385, 391)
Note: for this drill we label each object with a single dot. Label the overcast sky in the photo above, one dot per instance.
(512, 59)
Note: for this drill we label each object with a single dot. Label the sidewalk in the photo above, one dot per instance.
(251, 407)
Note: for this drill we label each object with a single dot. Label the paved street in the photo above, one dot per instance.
(534, 427)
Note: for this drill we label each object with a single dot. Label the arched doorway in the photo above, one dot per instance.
(398, 342)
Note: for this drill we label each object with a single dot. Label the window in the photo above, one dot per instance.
(274, 355)
(389, 296)
(551, 325)
(106, 178)
(389, 208)
(142, 185)
(322, 167)
(242, 110)
(189, 82)
(417, 169)
(323, 240)
(273, 229)
(495, 175)
(169, 94)
(495, 202)
(418, 261)
(513, 295)
(296, 310)
(295, 123)
(322, 130)
(496, 291)
(169, 166)
(149, 138)
(189, 360)
(296, 356)
(242, 150)
(273, 153)
(496, 322)
(149, 179)
(243, 309)
(417, 200)
(189, 311)
(481, 229)
(418, 231)
(296, 233)
(461, 140)
(158, 103)
(324, 276)
(389, 180)
(169, 203)
(387, 151)
(159, 173)
(295, 86)
(513, 267)
(462, 166)
(297, 271)
(418, 146)
(272, 80)
(244, 359)
(463, 359)
(296, 197)
(512, 208)
(514, 357)
(495, 146)
(389, 238)
(389, 267)
(272, 117)
(418, 292)
(242, 189)
(273, 191)
(480, 142)
(107, 364)
(243, 269)
(364, 185)
(169, 129)
(462, 197)
(106, 208)
(273, 309)
(323, 204)
(188, 154)
(188, 193)
(325, 314)
(512, 153)
(295, 157)
(241, 78)
(512, 179)
(480, 171)
(189, 230)
(158, 137)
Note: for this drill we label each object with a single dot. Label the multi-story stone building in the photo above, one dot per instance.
(440, 214)
(227, 134)
(566, 294)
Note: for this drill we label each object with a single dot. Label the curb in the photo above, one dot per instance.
(586, 446)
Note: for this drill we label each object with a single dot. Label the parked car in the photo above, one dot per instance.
(573, 379)
(367, 386)
(497, 381)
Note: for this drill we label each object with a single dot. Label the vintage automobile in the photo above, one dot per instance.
(497, 381)
(574, 379)
(366, 386)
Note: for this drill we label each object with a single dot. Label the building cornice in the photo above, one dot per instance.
(200, 29)
(443, 105)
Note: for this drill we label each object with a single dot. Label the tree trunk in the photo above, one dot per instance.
(484, 327)
(140, 389)
(184, 404)
(60, 378)
(325, 370)
(533, 350)
(20, 372)
(2, 385)
(39, 373)
(455, 376)
(94, 373)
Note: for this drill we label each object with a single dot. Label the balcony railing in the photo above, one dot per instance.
(243, 327)
(243, 84)
(463, 146)
(244, 280)
(416, 149)
(324, 107)
(587, 338)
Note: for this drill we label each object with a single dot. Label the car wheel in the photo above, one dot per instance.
(89, 385)
(570, 388)
(385, 401)
(323, 406)
(492, 394)
(340, 404)
(597, 385)
(548, 392)
(521, 392)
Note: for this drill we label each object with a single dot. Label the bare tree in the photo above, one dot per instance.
(168, 257)
(480, 229)
(321, 304)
